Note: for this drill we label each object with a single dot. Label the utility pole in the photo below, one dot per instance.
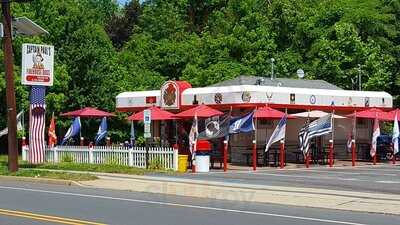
(10, 89)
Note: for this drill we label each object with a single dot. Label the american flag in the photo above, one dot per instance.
(37, 124)
(375, 135)
(316, 128)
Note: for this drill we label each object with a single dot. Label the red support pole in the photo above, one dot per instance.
(353, 152)
(307, 158)
(282, 154)
(254, 155)
(225, 155)
(193, 160)
(331, 153)
(394, 156)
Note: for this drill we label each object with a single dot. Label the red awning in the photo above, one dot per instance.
(156, 114)
(372, 114)
(88, 112)
(202, 111)
(267, 112)
(392, 114)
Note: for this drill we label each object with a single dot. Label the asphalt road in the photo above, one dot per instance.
(376, 179)
(30, 203)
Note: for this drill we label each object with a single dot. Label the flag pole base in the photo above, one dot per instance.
(307, 160)
(353, 152)
(331, 153)
(254, 155)
(225, 155)
(282, 154)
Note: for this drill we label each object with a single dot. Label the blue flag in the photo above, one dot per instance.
(102, 131)
(242, 124)
(73, 130)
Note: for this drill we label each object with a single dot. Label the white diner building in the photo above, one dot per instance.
(245, 93)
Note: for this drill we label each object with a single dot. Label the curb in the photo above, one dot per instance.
(40, 180)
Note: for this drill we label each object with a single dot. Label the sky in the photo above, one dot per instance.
(122, 2)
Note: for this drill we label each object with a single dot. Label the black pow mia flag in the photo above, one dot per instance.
(214, 127)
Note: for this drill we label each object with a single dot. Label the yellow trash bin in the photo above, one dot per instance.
(182, 163)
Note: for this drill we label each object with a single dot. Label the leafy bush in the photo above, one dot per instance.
(156, 164)
(140, 141)
(68, 158)
(111, 161)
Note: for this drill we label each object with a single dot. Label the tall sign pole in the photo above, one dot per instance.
(10, 90)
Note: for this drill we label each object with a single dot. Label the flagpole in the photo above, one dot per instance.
(284, 143)
(226, 143)
(331, 145)
(23, 123)
(375, 121)
(255, 146)
(394, 143)
(353, 141)
(282, 148)
(307, 158)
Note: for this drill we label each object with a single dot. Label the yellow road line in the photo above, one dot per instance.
(47, 218)
(39, 218)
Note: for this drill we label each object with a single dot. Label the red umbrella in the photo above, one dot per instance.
(267, 112)
(202, 111)
(156, 114)
(372, 114)
(392, 114)
(88, 112)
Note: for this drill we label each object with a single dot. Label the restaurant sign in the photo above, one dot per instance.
(37, 64)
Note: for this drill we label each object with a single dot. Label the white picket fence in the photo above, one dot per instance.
(133, 157)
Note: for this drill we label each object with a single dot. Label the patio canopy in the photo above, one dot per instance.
(88, 112)
(202, 111)
(372, 114)
(156, 114)
(392, 114)
(267, 112)
(315, 114)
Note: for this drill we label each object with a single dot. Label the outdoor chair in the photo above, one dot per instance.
(216, 155)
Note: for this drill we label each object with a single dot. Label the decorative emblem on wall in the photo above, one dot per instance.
(151, 99)
(269, 96)
(246, 96)
(218, 98)
(366, 101)
(169, 95)
(292, 98)
(195, 102)
(313, 99)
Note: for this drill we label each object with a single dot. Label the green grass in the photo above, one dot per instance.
(102, 168)
(26, 172)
